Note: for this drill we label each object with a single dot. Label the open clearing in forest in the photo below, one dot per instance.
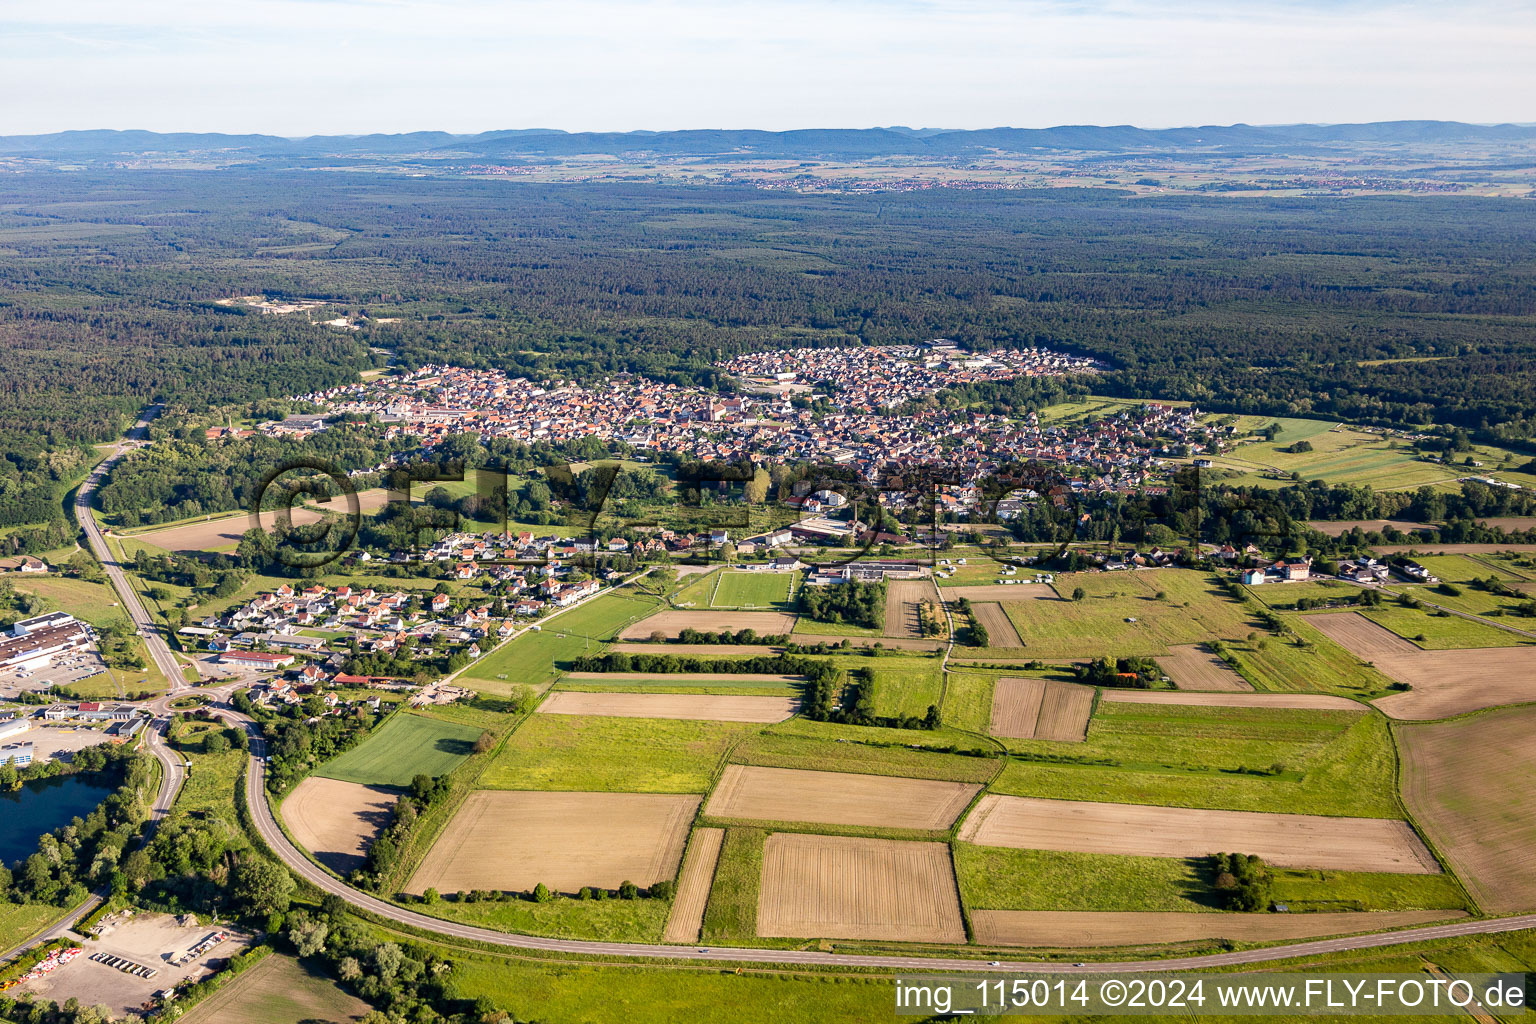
(1074, 928)
(513, 840)
(839, 887)
(1290, 701)
(992, 618)
(279, 990)
(902, 599)
(1000, 592)
(674, 621)
(696, 706)
(1468, 784)
(1445, 683)
(837, 798)
(336, 820)
(693, 886)
(403, 747)
(1196, 667)
(1284, 840)
(1041, 709)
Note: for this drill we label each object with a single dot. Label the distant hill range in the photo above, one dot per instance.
(810, 144)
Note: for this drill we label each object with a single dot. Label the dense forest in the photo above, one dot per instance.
(1387, 310)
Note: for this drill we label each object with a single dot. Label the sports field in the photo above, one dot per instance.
(1468, 784)
(1041, 709)
(336, 821)
(846, 888)
(405, 746)
(512, 841)
(749, 590)
(1284, 840)
(533, 659)
(837, 798)
(604, 616)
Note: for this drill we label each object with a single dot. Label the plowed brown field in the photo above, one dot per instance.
(1194, 667)
(1041, 709)
(697, 706)
(337, 820)
(999, 627)
(901, 600)
(837, 798)
(693, 884)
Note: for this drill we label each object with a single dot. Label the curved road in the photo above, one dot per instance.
(270, 832)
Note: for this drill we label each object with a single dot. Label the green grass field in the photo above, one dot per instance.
(20, 921)
(611, 920)
(819, 746)
(604, 617)
(906, 687)
(405, 746)
(1193, 610)
(1316, 665)
(621, 755)
(1330, 762)
(731, 914)
(532, 659)
(769, 590)
(1342, 456)
(1445, 632)
(279, 990)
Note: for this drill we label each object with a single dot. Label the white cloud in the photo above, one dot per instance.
(302, 66)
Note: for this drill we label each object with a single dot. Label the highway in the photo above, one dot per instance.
(272, 834)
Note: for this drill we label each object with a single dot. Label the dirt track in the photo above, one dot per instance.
(1284, 840)
(1468, 784)
(696, 706)
(1295, 701)
(674, 621)
(337, 820)
(693, 884)
(840, 887)
(1194, 667)
(513, 840)
(1075, 928)
(837, 798)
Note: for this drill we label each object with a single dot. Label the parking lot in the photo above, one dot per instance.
(66, 670)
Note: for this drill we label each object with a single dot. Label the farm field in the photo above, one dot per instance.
(696, 650)
(1339, 527)
(224, 533)
(704, 707)
(811, 746)
(532, 659)
(902, 600)
(1285, 840)
(604, 616)
(1234, 758)
(279, 990)
(746, 590)
(837, 798)
(1121, 615)
(1444, 632)
(1467, 783)
(621, 755)
(1195, 667)
(512, 841)
(405, 746)
(335, 821)
(1281, 701)
(672, 622)
(991, 617)
(999, 592)
(842, 887)
(1041, 709)
(693, 885)
(1074, 929)
(1341, 455)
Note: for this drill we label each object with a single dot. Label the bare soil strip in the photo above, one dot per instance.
(228, 532)
(1016, 707)
(837, 798)
(1001, 592)
(699, 650)
(1000, 628)
(1468, 784)
(1064, 712)
(511, 841)
(673, 621)
(1337, 528)
(1287, 701)
(699, 707)
(688, 678)
(693, 886)
(1284, 840)
(1194, 667)
(1452, 549)
(336, 820)
(1360, 636)
(902, 598)
(839, 887)
(1076, 928)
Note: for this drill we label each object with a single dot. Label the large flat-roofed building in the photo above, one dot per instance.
(12, 728)
(18, 754)
(33, 643)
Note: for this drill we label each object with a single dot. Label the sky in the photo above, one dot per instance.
(299, 67)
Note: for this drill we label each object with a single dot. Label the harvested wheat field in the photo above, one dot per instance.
(1195, 667)
(837, 887)
(1338, 528)
(1041, 709)
(687, 678)
(1360, 636)
(1284, 840)
(1468, 784)
(1283, 701)
(1447, 683)
(337, 820)
(212, 535)
(1072, 928)
(902, 598)
(999, 627)
(693, 884)
(697, 706)
(837, 798)
(674, 621)
(513, 840)
(1001, 592)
